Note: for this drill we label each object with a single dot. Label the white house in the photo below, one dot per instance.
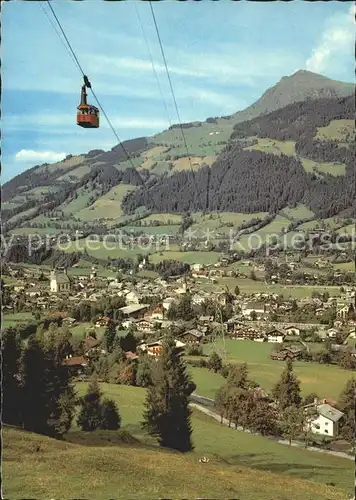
(327, 421)
(132, 298)
(248, 308)
(275, 336)
(331, 333)
(292, 330)
(196, 267)
(167, 303)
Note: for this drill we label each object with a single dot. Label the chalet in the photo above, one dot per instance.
(342, 313)
(154, 349)
(192, 337)
(157, 313)
(293, 331)
(249, 308)
(247, 334)
(59, 283)
(325, 421)
(292, 353)
(91, 345)
(197, 267)
(276, 336)
(144, 325)
(331, 333)
(75, 364)
(103, 321)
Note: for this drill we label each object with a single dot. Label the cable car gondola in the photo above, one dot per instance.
(88, 115)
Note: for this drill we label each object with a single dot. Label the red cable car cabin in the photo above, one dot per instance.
(88, 115)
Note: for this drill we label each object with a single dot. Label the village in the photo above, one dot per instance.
(146, 308)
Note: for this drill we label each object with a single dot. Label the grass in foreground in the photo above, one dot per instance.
(98, 465)
(33, 464)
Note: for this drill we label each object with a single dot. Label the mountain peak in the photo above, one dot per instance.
(297, 87)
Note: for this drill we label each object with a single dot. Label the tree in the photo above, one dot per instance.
(109, 336)
(263, 419)
(129, 342)
(237, 290)
(47, 401)
(347, 406)
(292, 422)
(215, 362)
(90, 415)
(220, 401)
(310, 398)
(253, 316)
(33, 388)
(110, 416)
(184, 308)
(287, 390)
(10, 357)
(238, 376)
(167, 413)
(143, 376)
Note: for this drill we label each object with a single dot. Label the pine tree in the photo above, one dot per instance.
(10, 360)
(110, 416)
(34, 409)
(90, 416)
(109, 336)
(167, 413)
(347, 406)
(143, 376)
(287, 390)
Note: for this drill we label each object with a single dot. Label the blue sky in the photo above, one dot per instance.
(222, 56)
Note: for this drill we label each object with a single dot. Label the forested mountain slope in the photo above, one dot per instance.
(243, 180)
(307, 146)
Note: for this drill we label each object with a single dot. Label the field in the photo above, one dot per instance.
(273, 146)
(338, 130)
(107, 206)
(298, 212)
(249, 286)
(188, 257)
(97, 249)
(266, 372)
(335, 169)
(16, 319)
(37, 230)
(263, 235)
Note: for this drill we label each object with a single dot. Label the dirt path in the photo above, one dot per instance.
(224, 421)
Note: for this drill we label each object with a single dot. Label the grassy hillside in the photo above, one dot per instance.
(241, 465)
(31, 468)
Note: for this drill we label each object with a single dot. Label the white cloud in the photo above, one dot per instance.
(28, 155)
(64, 123)
(337, 39)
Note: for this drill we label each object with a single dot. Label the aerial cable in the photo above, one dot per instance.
(56, 30)
(173, 95)
(96, 99)
(153, 65)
